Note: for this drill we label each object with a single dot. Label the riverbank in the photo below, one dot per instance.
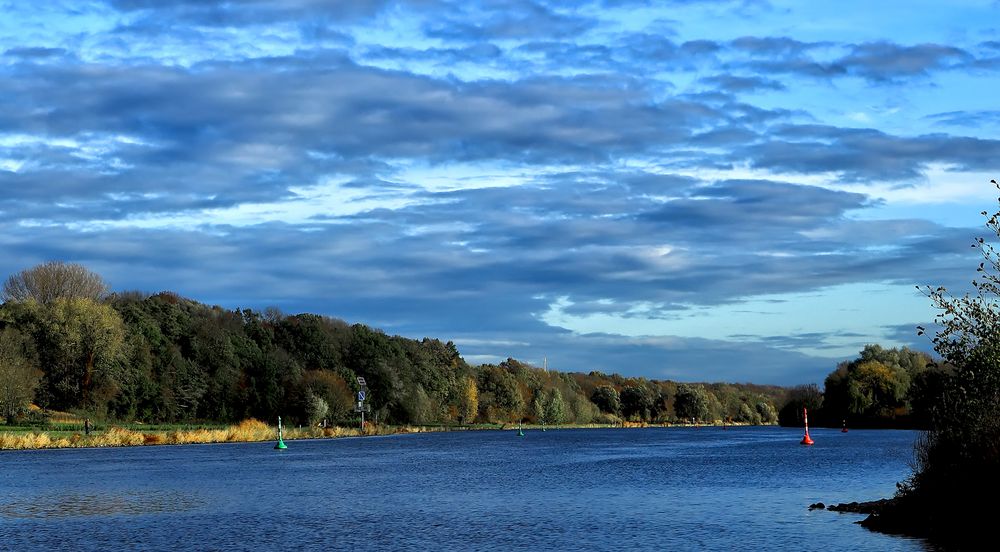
(249, 431)
(246, 431)
(905, 517)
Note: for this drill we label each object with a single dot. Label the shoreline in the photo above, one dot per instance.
(253, 431)
(894, 517)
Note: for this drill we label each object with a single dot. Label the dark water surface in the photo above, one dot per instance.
(611, 489)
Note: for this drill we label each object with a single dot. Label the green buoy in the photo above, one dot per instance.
(281, 443)
(520, 432)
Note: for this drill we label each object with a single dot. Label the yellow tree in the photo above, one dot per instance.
(470, 401)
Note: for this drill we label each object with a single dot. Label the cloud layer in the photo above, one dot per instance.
(457, 169)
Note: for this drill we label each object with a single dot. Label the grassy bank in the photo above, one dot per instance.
(244, 432)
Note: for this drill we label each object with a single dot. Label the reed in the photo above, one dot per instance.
(250, 430)
(116, 437)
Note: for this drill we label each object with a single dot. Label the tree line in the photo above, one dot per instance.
(888, 388)
(68, 344)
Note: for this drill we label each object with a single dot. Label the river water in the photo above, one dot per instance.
(601, 489)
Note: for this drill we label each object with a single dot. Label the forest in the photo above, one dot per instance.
(67, 344)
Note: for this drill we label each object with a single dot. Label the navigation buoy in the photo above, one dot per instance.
(806, 440)
(844, 430)
(281, 443)
(520, 432)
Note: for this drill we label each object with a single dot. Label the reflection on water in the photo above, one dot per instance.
(72, 505)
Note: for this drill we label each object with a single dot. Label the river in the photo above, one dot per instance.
(587, 489)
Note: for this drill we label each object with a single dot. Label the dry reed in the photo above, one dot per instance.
(250, 430)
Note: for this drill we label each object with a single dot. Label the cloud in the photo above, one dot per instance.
(878, 62)
(35, 52)
(759, 204)
(485, 162)
(866, 154)
(442, 56)
(352, 272)
(499, 20)
(622, 53)
(774, 47)
(251, 131)
(250, 12)
(687, 360)
(906, 334)
(734, 84)
(886, 62)
(488, 261)
(661, 240)
(964, 119)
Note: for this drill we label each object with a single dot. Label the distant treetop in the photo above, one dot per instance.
(53, 280)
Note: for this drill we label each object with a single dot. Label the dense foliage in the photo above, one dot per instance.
(164, 358)
(880, 388)
(951, 495)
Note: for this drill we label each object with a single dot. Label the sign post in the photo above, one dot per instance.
(361, 407)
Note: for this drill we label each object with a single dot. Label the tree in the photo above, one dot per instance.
(800, 396)
(18, 377)
(54, 280)
(555, 408)
(417, 405)
(748, 415)
(955, 480)
(469, 401)
(499, 396)
(538, 407)
(876, 389)
(692, 402)
(334, 391)
(81, 348)
(581, 409)
(766, 412)
(607, 399)
(315, 408)
(866, 387)
(637, 402)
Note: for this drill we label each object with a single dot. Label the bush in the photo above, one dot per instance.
(952, 491)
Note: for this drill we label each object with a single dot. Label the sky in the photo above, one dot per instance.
(696, 190)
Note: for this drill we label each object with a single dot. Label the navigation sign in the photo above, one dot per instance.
(362, 395)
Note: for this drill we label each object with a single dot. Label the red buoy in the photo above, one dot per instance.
(806, 440)
(844, 430)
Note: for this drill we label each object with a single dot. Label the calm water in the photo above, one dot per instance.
(649, 489)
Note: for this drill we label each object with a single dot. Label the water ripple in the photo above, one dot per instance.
(78, 505)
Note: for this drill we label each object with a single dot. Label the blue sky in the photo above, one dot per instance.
(695, 190)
